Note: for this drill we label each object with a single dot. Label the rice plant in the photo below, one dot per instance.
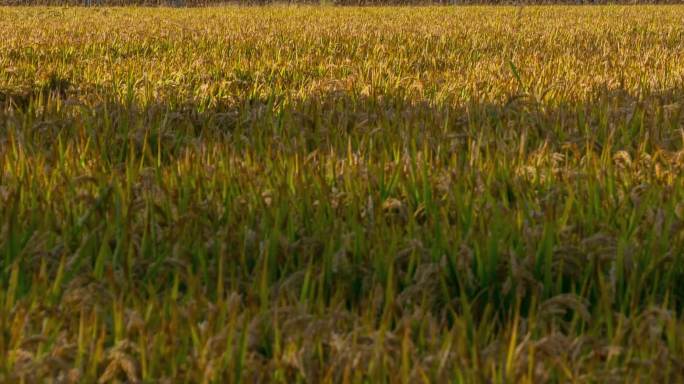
(355, 195)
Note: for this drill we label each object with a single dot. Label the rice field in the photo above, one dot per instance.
(342, 195)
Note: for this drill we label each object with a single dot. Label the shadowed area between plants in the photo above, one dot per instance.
(311, 234)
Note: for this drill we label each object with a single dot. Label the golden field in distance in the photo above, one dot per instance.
(318, 194)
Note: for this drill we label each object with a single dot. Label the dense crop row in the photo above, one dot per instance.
(338, 195)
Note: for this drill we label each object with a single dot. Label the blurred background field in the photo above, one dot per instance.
(210, 3)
